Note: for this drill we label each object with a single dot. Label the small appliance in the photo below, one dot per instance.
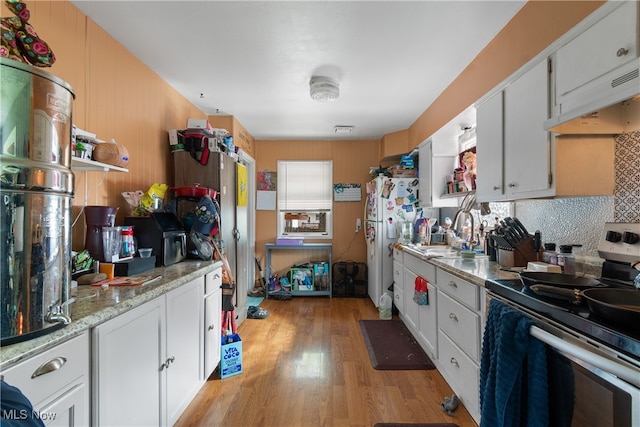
(162, 232)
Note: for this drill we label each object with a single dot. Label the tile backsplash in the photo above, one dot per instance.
(580, 219)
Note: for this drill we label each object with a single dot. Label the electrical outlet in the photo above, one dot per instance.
(358, 225)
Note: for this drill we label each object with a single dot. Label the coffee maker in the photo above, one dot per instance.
(97, 217)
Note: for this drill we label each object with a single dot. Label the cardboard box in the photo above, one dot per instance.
(173, 136)
(231, 357)
(198, 124)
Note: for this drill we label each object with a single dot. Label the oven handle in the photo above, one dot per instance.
(602, 363)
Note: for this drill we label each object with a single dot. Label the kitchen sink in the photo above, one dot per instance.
(435, 251)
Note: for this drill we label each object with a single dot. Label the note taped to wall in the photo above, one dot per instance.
(266, 201)
(347, 192)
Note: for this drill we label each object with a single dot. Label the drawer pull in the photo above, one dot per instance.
(50, 366)
(453, 317)
(453, 284)
(454, 362)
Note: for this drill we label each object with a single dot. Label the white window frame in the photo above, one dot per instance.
(298, 192)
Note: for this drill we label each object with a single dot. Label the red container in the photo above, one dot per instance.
(195, 192)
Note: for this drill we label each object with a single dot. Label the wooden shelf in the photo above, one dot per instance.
(90, 165)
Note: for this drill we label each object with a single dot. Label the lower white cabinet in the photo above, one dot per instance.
(212, 321)
(147, 361)
(56, 382)
(460, 320)
(185, 339)
(398, 279)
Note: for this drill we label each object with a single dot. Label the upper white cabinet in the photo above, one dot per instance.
(513, 149)
(490, 155)
(526, 143)
(432, 172)
(607, 45)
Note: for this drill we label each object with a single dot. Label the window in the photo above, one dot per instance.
(305, 201)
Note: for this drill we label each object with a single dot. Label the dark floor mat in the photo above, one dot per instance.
(391, 346)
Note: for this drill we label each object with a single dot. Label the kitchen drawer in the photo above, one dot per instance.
(398, 299)
(420, 267)
(460, 323)
(462, 374)
(213, 281)
(398, 275)
(460, 289)
(72, 355)
(398, 255)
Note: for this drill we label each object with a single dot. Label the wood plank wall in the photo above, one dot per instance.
(118, 97)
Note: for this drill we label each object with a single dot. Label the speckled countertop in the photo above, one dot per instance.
(94, 305)
(476, 271)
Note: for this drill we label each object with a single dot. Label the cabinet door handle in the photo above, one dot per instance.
(453, 317)
(454, 362)
(453, 284)
(211, 327)
(50, 366)
(167, 363)
(622, 52)
(512, 184)
(496, 187)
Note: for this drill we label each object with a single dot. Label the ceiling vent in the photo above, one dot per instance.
(342, 130)
(324, 89)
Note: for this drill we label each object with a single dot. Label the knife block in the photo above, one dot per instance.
(519, 256)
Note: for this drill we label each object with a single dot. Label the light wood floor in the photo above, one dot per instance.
(307, 365)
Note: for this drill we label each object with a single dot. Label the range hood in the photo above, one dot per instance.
(606, 105)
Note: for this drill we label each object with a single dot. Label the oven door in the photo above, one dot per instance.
(606, 388)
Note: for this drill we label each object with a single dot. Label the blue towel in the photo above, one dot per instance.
(513, 371)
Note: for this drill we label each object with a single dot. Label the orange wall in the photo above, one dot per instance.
(117, 96)
(538, 24)
(351, 162)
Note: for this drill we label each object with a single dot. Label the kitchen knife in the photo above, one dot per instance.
(511, 223)
(537, 243)
(521, 227)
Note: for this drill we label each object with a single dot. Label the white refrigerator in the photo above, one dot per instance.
(390, 202)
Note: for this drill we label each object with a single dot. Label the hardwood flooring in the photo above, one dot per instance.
(307, 365)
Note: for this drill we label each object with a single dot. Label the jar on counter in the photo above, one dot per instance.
(578, 252)
(567, 260)
(550, 256)
(128, 243)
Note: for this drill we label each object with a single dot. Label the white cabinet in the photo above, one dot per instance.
(398, 279)
(583, 65)
(525, 144)
(460, 337)
(421, 319)
(56, 382)
(147, 363)
(489, 152)
(432, 172)
(184, 311)
(212, 321)
(128, 375)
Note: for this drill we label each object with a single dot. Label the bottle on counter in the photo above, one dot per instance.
(550, 256)
(567, 260)
(578, 252)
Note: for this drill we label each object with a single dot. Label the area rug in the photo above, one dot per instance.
(392, 347)
(414, 425)
(254, 300)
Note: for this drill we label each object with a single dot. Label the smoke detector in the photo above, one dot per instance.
(324, 89)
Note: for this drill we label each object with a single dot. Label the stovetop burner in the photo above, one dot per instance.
(577, 317)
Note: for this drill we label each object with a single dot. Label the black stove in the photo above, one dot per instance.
(577, 317)
(620, 249)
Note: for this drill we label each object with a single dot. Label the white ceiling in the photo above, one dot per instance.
(254, 59)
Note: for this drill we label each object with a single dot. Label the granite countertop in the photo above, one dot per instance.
(94, 305)
(476, 271)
